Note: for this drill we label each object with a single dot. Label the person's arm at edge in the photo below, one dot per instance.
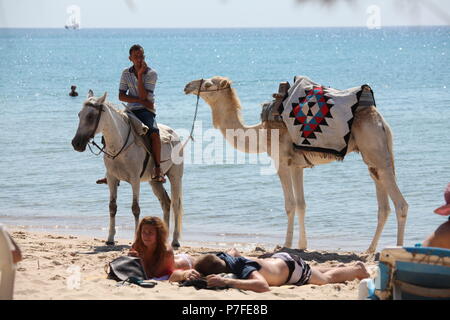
(16, 253)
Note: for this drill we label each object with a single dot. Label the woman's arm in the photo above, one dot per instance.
(16, 253)
(133, 252)
(169, 260)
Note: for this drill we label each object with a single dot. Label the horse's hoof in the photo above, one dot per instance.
(110, 243)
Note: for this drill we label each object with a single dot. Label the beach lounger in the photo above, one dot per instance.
(7, 267)
(407, 273)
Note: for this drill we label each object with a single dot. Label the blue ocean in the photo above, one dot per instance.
(46, 185)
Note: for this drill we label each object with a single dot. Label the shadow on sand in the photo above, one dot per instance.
(323, 256)
(107, 248)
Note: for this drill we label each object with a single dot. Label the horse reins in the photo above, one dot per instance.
(99, 107)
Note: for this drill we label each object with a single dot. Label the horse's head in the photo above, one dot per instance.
(90, 121)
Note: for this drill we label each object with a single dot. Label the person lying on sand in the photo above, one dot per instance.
(259, 274)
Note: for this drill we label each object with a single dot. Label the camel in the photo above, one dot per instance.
(371, 136)
(98, 115)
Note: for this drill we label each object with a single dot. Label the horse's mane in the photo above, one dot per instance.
(112, 107)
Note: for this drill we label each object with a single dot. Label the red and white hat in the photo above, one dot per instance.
(445, 209)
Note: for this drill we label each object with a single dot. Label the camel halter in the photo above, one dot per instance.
(99, 108)
(196, 108)
(195, 114)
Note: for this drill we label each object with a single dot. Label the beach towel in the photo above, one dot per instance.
(319, 118)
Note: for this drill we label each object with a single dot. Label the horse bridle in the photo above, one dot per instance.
(99, 108)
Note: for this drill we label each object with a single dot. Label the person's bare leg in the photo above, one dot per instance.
(156, 152)
(338, 274)
(325, 269)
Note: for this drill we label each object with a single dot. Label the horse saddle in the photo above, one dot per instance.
(139, 130)
(166, 134)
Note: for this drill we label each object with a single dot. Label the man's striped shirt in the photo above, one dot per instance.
(129, 82)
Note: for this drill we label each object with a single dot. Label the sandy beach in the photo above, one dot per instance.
(49, 261)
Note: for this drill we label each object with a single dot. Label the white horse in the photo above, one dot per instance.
(124, 160)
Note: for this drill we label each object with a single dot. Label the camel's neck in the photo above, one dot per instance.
(226, 115)
(114, 129)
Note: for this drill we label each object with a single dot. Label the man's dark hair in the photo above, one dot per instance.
(210, 264)
(135, 47)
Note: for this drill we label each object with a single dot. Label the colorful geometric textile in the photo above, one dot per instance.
(320, 118)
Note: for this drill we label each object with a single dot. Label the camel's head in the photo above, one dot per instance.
(214, 84)
(89, 123)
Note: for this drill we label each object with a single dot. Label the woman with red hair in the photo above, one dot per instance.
(156, 254)
(152, 247)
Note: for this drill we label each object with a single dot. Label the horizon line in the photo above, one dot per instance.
(256, 27)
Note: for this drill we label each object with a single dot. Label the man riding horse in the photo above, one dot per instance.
(137, 86)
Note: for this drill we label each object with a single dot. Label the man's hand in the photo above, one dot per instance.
(215, 280)
(191, 274)
(147, 104)
(142, 69)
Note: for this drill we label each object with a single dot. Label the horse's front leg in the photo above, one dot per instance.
(136, 186)
(112, 184)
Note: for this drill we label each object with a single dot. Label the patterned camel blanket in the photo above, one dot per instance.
(320, 118)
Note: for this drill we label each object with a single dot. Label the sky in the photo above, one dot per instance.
(222, 13)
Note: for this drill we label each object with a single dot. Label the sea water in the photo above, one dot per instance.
(46, 185)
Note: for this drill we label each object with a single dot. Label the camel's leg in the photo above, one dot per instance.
(401, 206)
(289, 202)
(164, 200)
(177, 205)
(374, 139)
(113, 185)
(300, 205)
(135, 208)
(383, 209)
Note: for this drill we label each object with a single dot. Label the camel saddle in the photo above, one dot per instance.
(271, 110)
